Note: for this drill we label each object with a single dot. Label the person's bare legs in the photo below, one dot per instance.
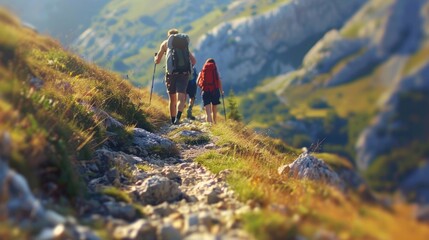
(208, 108)
(214, 111)
(181, 101)
(180, 105)
(172, 102)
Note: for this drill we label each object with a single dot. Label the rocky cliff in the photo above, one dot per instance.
(278, 41)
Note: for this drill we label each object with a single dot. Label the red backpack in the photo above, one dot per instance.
(209, 78)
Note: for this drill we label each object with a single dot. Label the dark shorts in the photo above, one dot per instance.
(176, 83)
(212, 97)
(192, 89)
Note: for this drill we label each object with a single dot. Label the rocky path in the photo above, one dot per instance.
(150, 188)
(179, 198)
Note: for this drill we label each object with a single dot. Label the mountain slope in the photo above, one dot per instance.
(49, 100)
(76, 163)
(126, 34)
(365, 85)
(280, 38)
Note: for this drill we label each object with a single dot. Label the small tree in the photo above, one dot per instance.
(233, 113)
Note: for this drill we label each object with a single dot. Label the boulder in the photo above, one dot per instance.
(309, 167)
(157, 189)
(140, 229)
(121, 210)
(213, 195)
(172, 175)
(153, 143)
(168, 232)
(19, 202)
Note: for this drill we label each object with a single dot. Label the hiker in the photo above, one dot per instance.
(192, 92)
(210, 83)
(179, 61)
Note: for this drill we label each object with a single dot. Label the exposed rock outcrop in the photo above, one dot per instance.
(242, 59)
(309, 167)
(401, 33)
(20, 207)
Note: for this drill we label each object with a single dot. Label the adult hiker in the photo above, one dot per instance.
(192, 92)
(179, 61)
(211, 85)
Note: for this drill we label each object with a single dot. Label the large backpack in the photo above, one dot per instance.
(209, 79)
(178, 60)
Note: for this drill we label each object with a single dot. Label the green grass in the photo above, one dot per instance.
(144, 167)
(117, 194)
(352, 30)
(291, 207)
(193, 140)
(341, 98)
(276, 226)
(416, 60)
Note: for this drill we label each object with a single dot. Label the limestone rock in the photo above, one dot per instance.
(151, 142)
(309, 167)
(168, 232)
(235, 51)
(140, 229)
(121, 210)
(156, 190)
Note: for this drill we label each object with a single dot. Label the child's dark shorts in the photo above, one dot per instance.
(212, 97)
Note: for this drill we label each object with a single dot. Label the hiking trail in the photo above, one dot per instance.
(179, 198)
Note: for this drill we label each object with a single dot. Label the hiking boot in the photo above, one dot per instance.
(189, 116)
(177, 121)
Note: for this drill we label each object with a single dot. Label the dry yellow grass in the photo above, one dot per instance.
(52, 125)
(309, 208)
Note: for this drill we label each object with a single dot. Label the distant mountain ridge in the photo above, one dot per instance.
(125, 35)
(62, 19)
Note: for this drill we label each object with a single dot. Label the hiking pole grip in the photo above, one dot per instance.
(153, 79)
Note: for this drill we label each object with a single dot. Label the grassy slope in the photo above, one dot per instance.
(37, 119)
(50, 128)
(308, 207)
(359, 96)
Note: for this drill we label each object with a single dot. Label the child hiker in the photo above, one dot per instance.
(210, 83)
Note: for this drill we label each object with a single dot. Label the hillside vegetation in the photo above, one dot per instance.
(48, 102)
(50, 116)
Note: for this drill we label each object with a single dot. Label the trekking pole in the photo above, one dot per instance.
(153, 79)
(223, 101)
